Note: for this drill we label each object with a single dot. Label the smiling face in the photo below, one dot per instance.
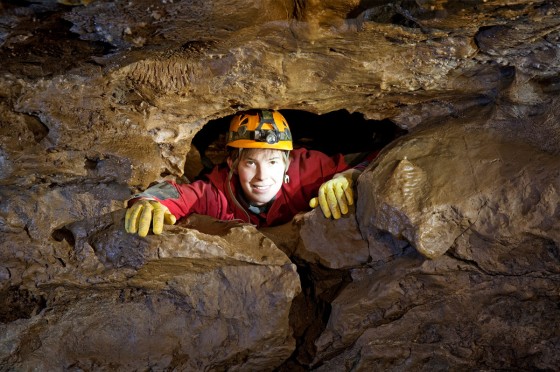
(261, 173)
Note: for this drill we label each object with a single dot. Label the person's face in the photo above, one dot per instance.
(261, 173)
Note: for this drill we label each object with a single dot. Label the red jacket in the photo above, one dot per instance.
(308, 170)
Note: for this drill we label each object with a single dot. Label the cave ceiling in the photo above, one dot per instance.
(112, 93)
(131, 69)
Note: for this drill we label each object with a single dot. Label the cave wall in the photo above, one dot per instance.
(450, 258)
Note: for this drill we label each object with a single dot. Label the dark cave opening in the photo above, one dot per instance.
(41, 42)
(19, 303)
(332, 133)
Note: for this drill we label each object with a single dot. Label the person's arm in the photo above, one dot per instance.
(146, 212)
(165, 203)
(145, 209)
(337, 194)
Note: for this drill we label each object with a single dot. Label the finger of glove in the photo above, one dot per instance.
(348, 191)
(145, 220)
(349, 194)
(341, 197)
(157, 217)
(323, 201)
(131, 217)
(169, 218)
(332, 202)
(314, 203)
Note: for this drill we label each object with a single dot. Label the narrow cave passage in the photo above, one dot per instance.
(332, 133)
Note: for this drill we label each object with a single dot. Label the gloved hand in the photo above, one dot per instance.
(335, 195)
(145, 212)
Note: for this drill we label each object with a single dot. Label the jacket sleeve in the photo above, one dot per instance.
(184, 199)
(360, 161)
(313, 168)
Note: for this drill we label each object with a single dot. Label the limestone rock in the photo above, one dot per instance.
(182, 300)
(421, 314)
(439, 185)
(335, 244)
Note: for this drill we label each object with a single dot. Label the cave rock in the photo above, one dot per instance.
(441, 186)
(182, 300)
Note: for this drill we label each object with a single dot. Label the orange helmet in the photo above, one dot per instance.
(259, 129)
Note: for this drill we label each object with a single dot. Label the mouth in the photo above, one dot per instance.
(260, 188)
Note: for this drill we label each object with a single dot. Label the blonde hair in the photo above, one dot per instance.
(237, 154)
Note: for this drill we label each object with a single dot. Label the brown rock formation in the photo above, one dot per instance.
(451, 260)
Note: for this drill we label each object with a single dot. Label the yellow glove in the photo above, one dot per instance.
(335, 196)
(145, 212)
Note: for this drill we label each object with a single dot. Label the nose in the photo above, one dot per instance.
(261, 173)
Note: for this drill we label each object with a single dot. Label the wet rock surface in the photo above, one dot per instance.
(450, 259)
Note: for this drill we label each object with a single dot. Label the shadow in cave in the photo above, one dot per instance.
(18, 303)
(332, 133)
(49, 47)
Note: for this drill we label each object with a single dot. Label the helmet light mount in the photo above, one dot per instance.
(270, 136)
